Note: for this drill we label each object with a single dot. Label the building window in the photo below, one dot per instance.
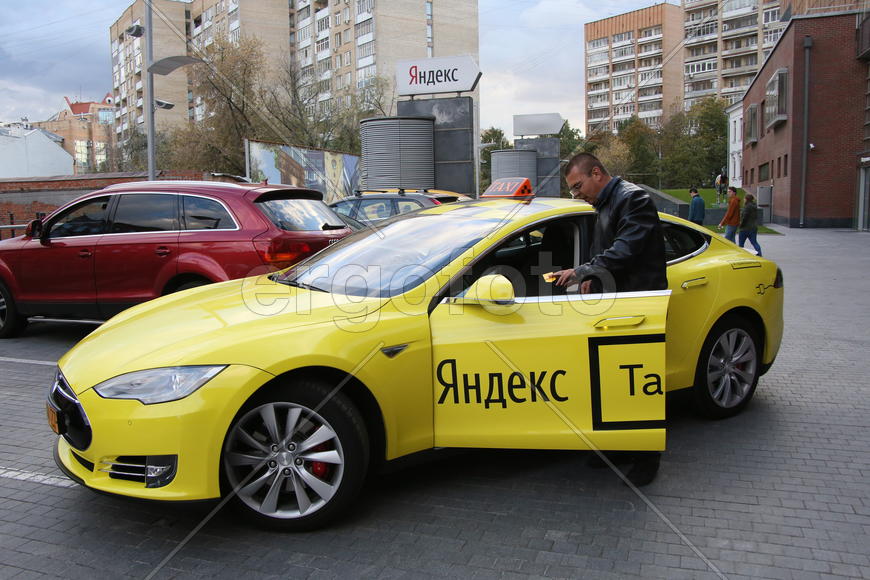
(345, 59)
(778, 167)
(336, 21)
(751, 176)
(429, 51)
(81, 155)
(304, 33)
(623, 82)
(776, 101)
(598, 71)
(771, 15)
(597, 43)
(624, 51)
(429, 10)
(365, 50)
(365, 27)
(785, 165)
(623, 67)
(363, 6)
(322, 45)
(701, 66)
(322, 24)
(106, 116)
(729, 5)
(702, 30)
(750, 127)
(653, 31)
(623, 36)
(763, 172)
(337, 39)
(428, 33)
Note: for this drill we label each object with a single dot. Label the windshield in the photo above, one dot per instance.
(296, 215)
(392, 259)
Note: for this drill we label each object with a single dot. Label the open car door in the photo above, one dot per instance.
(549, 372)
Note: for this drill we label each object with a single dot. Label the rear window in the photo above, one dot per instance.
(145, 212)
(205, 214)
(300, 215)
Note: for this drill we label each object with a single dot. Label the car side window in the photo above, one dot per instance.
(524, 257)
(680, 241)
(205, 214)
(145, 212)
(406, 205)
(85, 219)
(374, 209)
(343, 208)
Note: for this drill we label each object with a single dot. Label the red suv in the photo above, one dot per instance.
(132, 242)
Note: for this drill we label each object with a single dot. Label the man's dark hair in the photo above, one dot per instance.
(585, 162)
(732, 188)
(693, 190)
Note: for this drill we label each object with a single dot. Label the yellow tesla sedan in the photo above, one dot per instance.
(436, 329)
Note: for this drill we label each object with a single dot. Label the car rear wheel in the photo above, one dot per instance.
(11, 321)
(297, 458)
(728, 368)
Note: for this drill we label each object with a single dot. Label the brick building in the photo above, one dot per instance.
(774, 143)
(87, 129)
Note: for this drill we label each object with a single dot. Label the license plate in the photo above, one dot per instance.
(51, 414)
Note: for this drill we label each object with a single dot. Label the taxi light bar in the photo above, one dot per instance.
(510, 187)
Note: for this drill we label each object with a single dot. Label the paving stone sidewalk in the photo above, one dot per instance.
(781, 491)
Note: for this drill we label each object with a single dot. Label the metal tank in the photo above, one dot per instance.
(398, 152)
(515, 163)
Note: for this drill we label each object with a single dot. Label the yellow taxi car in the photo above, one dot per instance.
(436, 329)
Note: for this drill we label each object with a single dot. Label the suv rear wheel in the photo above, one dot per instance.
(11, 321)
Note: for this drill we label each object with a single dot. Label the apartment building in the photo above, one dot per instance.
(128, 63)
(343, 45)
(633, 67)
(724, 45)
(87, 130)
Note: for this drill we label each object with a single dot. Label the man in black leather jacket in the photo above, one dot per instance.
(628, 255)
(628, 246)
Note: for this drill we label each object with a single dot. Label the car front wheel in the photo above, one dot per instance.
(296, 458)
(11, 321)
(728, 368)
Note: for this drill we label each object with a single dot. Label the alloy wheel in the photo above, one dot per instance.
(284, 460)
(731, 368)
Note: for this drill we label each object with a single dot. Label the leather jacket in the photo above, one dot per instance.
(628, 242)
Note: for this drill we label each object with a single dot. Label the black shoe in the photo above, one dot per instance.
(645, 468)
(616, 457)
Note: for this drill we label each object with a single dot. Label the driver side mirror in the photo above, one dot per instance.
(34, 229)
(487, 290)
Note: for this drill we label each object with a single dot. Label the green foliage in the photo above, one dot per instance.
(641, 142)
(694, 145)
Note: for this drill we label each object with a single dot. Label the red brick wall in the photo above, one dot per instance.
(836, 118)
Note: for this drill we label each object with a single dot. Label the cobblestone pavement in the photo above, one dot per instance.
(780, 491)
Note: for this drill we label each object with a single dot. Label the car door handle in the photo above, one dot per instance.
(85, 254)
(620, 321)
(693, 282)
(162, 251)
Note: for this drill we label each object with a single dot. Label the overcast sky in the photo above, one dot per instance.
(531, 55)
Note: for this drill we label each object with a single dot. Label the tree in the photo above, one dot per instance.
(497, 137)
(710, 127)
(641, 142)
(615, 155)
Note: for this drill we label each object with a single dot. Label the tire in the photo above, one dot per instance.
(728, 368)
(307, 481)
(11, 321)
(191, 284)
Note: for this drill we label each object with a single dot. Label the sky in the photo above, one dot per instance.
(531, 55)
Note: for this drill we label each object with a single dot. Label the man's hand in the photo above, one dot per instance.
(565, 277)
(586, 287)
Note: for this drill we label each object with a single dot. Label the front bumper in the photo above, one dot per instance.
(192, 429)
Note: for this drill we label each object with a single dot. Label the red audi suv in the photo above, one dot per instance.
(132, 242)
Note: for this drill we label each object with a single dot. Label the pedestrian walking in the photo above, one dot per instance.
(732, 216)
(749, 223)
(696, 207)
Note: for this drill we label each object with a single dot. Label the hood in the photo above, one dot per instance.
(202, 325)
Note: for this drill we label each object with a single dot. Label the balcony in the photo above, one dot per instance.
(366, 61)
(598, 49)
(693, 40)
(739, 11)
(598, 91)
(741, 31)
(646, 53)
(138, 85)
(324, 54)
(742, 50)
(702, 75)
(646, 98)
(622, 43)
(864, 39)
(649, 67)
(739, 70)
(623, 58)
(598, 76)
(650, 38)
(699, 3)
(701, 93)
(648, 114)
(732, 90)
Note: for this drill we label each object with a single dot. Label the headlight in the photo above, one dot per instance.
(158, 385)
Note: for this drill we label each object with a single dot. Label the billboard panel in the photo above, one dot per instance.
(334, 174)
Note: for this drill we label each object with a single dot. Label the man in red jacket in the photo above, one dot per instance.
(732, 216)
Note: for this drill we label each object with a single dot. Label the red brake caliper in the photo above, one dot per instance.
(319, 468)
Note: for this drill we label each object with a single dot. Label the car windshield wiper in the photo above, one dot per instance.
(333, 227)
(295, 283)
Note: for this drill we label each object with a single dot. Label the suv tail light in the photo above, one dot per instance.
(281, 252)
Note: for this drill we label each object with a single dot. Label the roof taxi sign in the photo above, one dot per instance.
(448, 74)
(510, 187)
